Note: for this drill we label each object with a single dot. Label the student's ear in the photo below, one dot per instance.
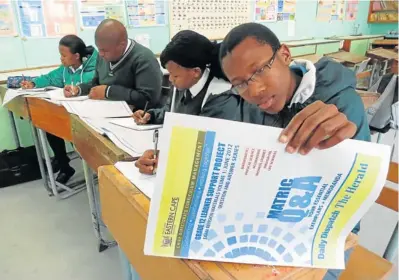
(285, 54)
(197, 72)
(77, 56)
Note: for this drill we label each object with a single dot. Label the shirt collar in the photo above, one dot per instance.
(195, 89)
(75, 70)
(129, 42)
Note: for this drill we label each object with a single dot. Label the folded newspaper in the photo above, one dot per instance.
(228, 191)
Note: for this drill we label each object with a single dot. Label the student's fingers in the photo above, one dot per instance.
(148, 170)
(345, 132)
(325, 130)
(67, 91)
(148, 154)
(137, 116)
(289, 132)
(310, 125)
(147, 117)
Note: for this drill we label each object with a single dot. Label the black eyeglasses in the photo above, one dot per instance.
(241, 88)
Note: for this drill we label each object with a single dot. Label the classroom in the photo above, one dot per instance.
(199, 139)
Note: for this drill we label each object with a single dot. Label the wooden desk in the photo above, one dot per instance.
(50, 117)
(125, 212)
(348, 58)
(94, 148)
(311, 57)
(387, 43)
(358, 44)
(382, 54)
(18, 106)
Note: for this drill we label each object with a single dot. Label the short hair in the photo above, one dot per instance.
(254, 30)
(76, 45)
(190, 49)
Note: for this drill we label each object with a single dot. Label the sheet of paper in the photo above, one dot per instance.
(235, 195)
(265, 10)
(13, 93)
(131, 124)
(98, 108)
(145, 183)
(58, 95)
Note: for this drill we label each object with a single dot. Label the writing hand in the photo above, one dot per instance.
(71, 91)
(318, 125)
(146, 163)
(27, 85)
(139, 118)
(98, 92)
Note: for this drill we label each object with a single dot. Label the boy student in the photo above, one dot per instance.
(194, 69)
(125, 71)
(317, 105)
(78, 66)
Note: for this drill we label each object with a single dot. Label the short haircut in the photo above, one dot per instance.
(190, 49)
(254, 30)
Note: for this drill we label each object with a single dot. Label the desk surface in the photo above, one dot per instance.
(382, 53)
(299, 43)
(125, 212)
(311, 57)
(361, 37)
(94, 148)
(386, 42)
(347, 57)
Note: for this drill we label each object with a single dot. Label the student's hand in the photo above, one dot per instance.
(139, 118)
(146, 163)
(71, 91)
(98, 92)
(27, 85)
(319, 125)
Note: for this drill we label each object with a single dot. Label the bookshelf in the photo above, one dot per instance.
(383, 11)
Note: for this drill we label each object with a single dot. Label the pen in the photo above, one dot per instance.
(156, 134)
(73, 91)
(145, 109)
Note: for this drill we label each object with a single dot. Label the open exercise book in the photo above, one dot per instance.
(133, 142)
(52, 93)
(228, 191)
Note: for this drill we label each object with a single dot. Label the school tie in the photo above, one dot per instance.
(187, 97)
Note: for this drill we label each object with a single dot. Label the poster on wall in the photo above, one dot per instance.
(351, 9)
(143, 13)
(213, 20)
(91, 13)
(7, 23)
(338, 10)
(265, 10)
(59, 17)
(116, 11)
(286, 10)
(31, 18)
(324, 10)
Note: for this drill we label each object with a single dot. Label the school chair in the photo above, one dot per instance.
(364, 264)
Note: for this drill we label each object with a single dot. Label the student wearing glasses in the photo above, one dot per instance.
(316, 104)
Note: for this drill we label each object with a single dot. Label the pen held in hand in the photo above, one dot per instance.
(145, 109)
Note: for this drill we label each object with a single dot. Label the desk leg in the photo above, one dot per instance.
(129, 273)
(40, 159)
(47, 160)
(100, 229)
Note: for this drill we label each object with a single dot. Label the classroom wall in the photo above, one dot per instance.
(35, 52)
